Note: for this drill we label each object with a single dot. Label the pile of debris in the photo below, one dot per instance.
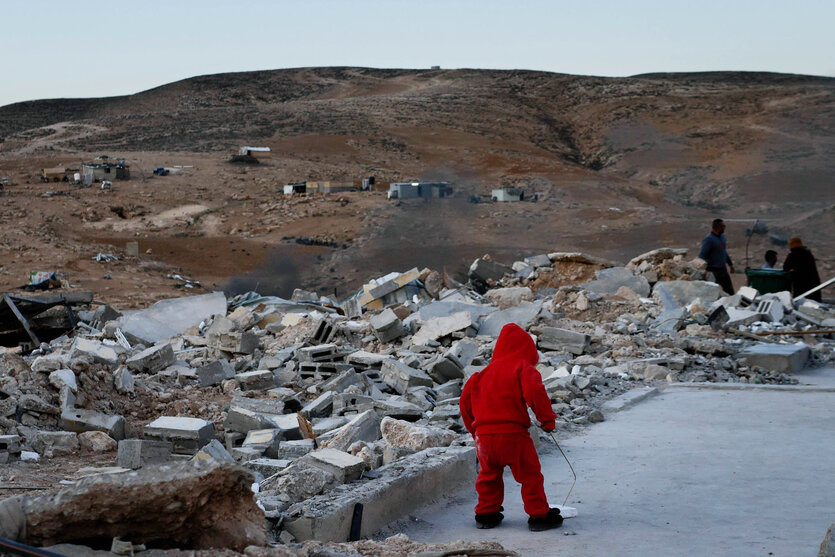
(343, 416)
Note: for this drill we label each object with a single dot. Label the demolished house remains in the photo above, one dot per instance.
(316, 419)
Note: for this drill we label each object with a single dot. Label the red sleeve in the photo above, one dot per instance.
(466, 406)
(536, 397)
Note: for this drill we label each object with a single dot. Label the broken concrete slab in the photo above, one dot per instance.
(61, 377)
(344, 466)
(152, 359)
(168, 318)
(102, 353)
(258, 380)
(399, 488)
(563, 340)
(777, 357)
(445, 308)
(675, 293)
(438, 327)
(52, 443)
(295, 448)
(363, 427)
(214, 373)
(136, 453)
(265, 441)
(214, 450)
(194, 505)
(523, 315)
(79, 419)
(319, 407)
(188, 435)
(610, 280)
(628, 399)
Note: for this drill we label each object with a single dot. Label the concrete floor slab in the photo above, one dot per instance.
(688, 472)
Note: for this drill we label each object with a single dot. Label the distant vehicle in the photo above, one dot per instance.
(106, 185)
(161, 171)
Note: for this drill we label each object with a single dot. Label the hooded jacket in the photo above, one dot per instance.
(494, 400)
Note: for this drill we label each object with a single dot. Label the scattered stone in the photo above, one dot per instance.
(96, 442)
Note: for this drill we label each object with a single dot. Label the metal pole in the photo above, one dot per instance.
(815, 289)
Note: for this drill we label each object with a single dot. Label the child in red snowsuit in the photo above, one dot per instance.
(493, 407)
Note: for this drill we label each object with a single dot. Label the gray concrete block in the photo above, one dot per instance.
(400, 377)
(296, 448)
(79, 420)
(136, 453)
(244, 420)
(214, 373)
(387, 326)
(264, 440)
(267, 466)
(345, 467)
(563, 340)
(288, 424)
(188, 435)
(100, 353)
(238, 343)
(213, 450)
(777, 357)
(152, 359)
(258, 380)
(320, 406)
(399, 489)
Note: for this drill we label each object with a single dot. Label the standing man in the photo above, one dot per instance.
(715, 252)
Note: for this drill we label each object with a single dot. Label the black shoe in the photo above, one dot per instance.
(488, 520)
(551, 520)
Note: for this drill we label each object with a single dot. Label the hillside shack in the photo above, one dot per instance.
(100, 171)
(257, 152)
(508, 194)
(414, 190)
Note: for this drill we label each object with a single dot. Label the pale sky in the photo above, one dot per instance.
(60, 48)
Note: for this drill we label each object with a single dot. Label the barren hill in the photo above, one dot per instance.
(620, 163)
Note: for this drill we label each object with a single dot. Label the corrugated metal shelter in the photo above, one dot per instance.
(414, 190)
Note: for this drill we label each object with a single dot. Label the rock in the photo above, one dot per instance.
(596, 416)
(191, 505)
(53, 443)
(674, 293)
(123, 381)
(62, 377)
(298, 482)
(610, 280)
(399, 433)
(654, 371)
(509, 297)
(96, 442)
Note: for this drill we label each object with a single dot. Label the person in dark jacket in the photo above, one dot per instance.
(801, 263)
(715, 253)
(494, 406)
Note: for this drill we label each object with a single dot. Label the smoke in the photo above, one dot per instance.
(279, 276)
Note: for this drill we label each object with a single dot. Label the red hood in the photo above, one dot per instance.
(515, 343)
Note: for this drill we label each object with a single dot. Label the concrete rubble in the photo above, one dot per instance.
(331, 414)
